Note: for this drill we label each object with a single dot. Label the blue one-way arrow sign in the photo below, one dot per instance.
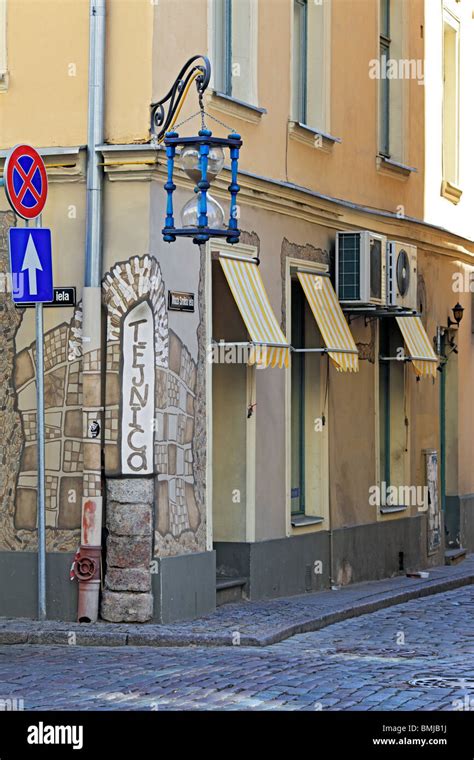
(31, 265)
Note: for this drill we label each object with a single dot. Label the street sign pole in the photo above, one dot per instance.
(26, 187)
(41, 463)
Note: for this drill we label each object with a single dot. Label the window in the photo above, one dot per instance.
(450, 98)
(298, 388)
(3, 45)
(311, 63)
(393, 80)
(392, 411)
(384, 87)
(307, 433)
(235, 49)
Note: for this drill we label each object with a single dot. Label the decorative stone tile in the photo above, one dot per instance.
(51, 518)
(112, 389)
(175, 346)
(26, 508)
(29, 459)
(91, 389)
(73, 423)
(190, 404)
(52, 453)
(171, 426)
(181, 428)
(51, 491)
(189, 429)
(24, 368)
(113, 357)
(111, 424)
(172, 459)
(91, 484)
(74, 388)
(111, 458)
(55, 347)
(72, 458)
(92, 456)
(179, 461)
(161, 389)
(163, 508)
(192, 507)
(91, 361)
(53, 425)
(54, 383)
(70, 503)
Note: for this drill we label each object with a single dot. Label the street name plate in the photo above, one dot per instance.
(61, 297)
(178, 301)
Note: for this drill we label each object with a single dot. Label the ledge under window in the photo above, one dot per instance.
(303, 520)
(393, 168)
(237, 108)
(451, 192)
(393, 510)
(315, 138)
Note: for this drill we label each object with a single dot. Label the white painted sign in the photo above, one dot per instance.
(138, 390)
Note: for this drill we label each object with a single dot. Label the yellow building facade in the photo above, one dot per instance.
(355, 183)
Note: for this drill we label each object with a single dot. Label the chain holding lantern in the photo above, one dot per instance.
(202, 157)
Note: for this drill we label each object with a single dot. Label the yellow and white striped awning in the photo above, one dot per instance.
(418, 346)
(331, 321)
(252, 301)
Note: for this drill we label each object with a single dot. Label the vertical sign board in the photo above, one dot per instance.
(138, 391)
(26, 188)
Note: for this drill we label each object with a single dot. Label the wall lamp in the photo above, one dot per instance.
(458, 313)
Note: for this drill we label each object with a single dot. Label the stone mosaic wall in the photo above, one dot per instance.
(176, 414)
(179, 501)
(63, 423)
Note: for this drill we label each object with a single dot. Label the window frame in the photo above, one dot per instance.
(3, 46)
(317, 515)
(220, 51)
(384, 472)
(451, 20)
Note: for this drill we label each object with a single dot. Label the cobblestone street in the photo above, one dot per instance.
(414, 656)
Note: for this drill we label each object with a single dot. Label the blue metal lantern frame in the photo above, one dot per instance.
(202, 232)
(162, 123)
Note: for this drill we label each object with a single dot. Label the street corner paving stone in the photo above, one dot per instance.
(358, 664)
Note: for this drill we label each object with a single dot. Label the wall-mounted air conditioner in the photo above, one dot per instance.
(402, 279)
(361, 268)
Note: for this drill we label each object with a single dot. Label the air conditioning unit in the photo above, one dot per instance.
(361, 268)
(402, 280)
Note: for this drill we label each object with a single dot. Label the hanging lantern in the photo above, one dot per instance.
(202, 158)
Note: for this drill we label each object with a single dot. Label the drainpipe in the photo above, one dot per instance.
(88, 560)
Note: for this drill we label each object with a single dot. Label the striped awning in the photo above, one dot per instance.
(418, 345)
(334, 329)
(271, 348)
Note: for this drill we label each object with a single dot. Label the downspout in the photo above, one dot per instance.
(88, 561)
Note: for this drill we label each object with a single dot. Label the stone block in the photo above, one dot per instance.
(128, 579)
(128, 551)
(163, 508)
(24, 369)
(25, 513)
(73, 423)
(129, 519)
(126, 607)
(131, 490)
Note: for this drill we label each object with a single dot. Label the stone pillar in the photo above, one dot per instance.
(127, 597)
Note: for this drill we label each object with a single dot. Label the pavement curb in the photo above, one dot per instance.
(76, 635)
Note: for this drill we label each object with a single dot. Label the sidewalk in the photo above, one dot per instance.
(247, 623)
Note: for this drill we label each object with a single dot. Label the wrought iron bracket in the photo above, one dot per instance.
(163, 111)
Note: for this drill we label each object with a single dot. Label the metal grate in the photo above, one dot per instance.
(349, 267)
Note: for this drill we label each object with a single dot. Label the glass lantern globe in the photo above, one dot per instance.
(190, 162)
(215, 213)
